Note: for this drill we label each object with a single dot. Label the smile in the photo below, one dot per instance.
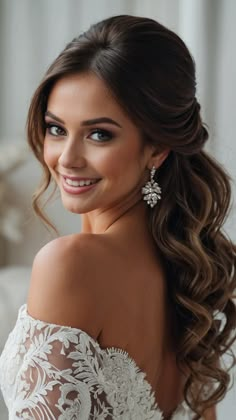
(78, 187)
(80, 183)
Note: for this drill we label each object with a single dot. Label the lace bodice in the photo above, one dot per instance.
(49, 371)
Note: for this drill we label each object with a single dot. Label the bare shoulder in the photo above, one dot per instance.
(64, 287)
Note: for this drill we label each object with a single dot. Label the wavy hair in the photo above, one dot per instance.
(151, 73)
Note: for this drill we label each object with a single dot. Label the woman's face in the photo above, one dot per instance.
(91, 139)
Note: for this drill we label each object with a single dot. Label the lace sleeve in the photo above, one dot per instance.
(54, 372)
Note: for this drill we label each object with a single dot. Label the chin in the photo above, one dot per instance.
(77, 208)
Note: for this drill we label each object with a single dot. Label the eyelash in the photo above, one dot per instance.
(107, 133)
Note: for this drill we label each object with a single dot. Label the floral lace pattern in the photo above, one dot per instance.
(49, 371)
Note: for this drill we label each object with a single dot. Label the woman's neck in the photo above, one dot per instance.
(104, 221)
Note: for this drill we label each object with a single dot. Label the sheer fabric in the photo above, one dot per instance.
(49, 371)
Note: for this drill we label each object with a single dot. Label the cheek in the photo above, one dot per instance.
(120, 163)
(49, 154)
(111, 162)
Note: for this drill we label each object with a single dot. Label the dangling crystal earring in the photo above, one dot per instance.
(151, 190)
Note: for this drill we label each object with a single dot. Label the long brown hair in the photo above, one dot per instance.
(151, 73)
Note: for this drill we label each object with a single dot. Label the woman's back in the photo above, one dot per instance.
(139, 322)
(139, 318)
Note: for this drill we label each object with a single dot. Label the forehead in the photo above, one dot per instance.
(84, 96)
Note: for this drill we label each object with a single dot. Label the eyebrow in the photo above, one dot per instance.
(87, 122)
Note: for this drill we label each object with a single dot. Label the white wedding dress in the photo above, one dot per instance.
(48, 371)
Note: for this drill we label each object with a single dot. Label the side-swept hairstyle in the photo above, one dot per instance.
(151, 73)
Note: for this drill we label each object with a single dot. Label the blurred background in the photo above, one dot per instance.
(32, 33)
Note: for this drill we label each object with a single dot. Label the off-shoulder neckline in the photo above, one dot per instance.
(24, 311)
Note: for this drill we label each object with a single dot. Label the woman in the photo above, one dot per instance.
(130, 318)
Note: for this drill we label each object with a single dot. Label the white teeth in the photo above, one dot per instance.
(79, 183)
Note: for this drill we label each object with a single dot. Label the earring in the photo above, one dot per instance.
(151, 190)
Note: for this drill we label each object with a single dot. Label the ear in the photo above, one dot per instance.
(157, 158)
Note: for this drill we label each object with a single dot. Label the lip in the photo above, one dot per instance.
(77, 190)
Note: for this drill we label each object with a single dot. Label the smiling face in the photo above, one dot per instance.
(90, 139)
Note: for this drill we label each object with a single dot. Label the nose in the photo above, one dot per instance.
(72, 155)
